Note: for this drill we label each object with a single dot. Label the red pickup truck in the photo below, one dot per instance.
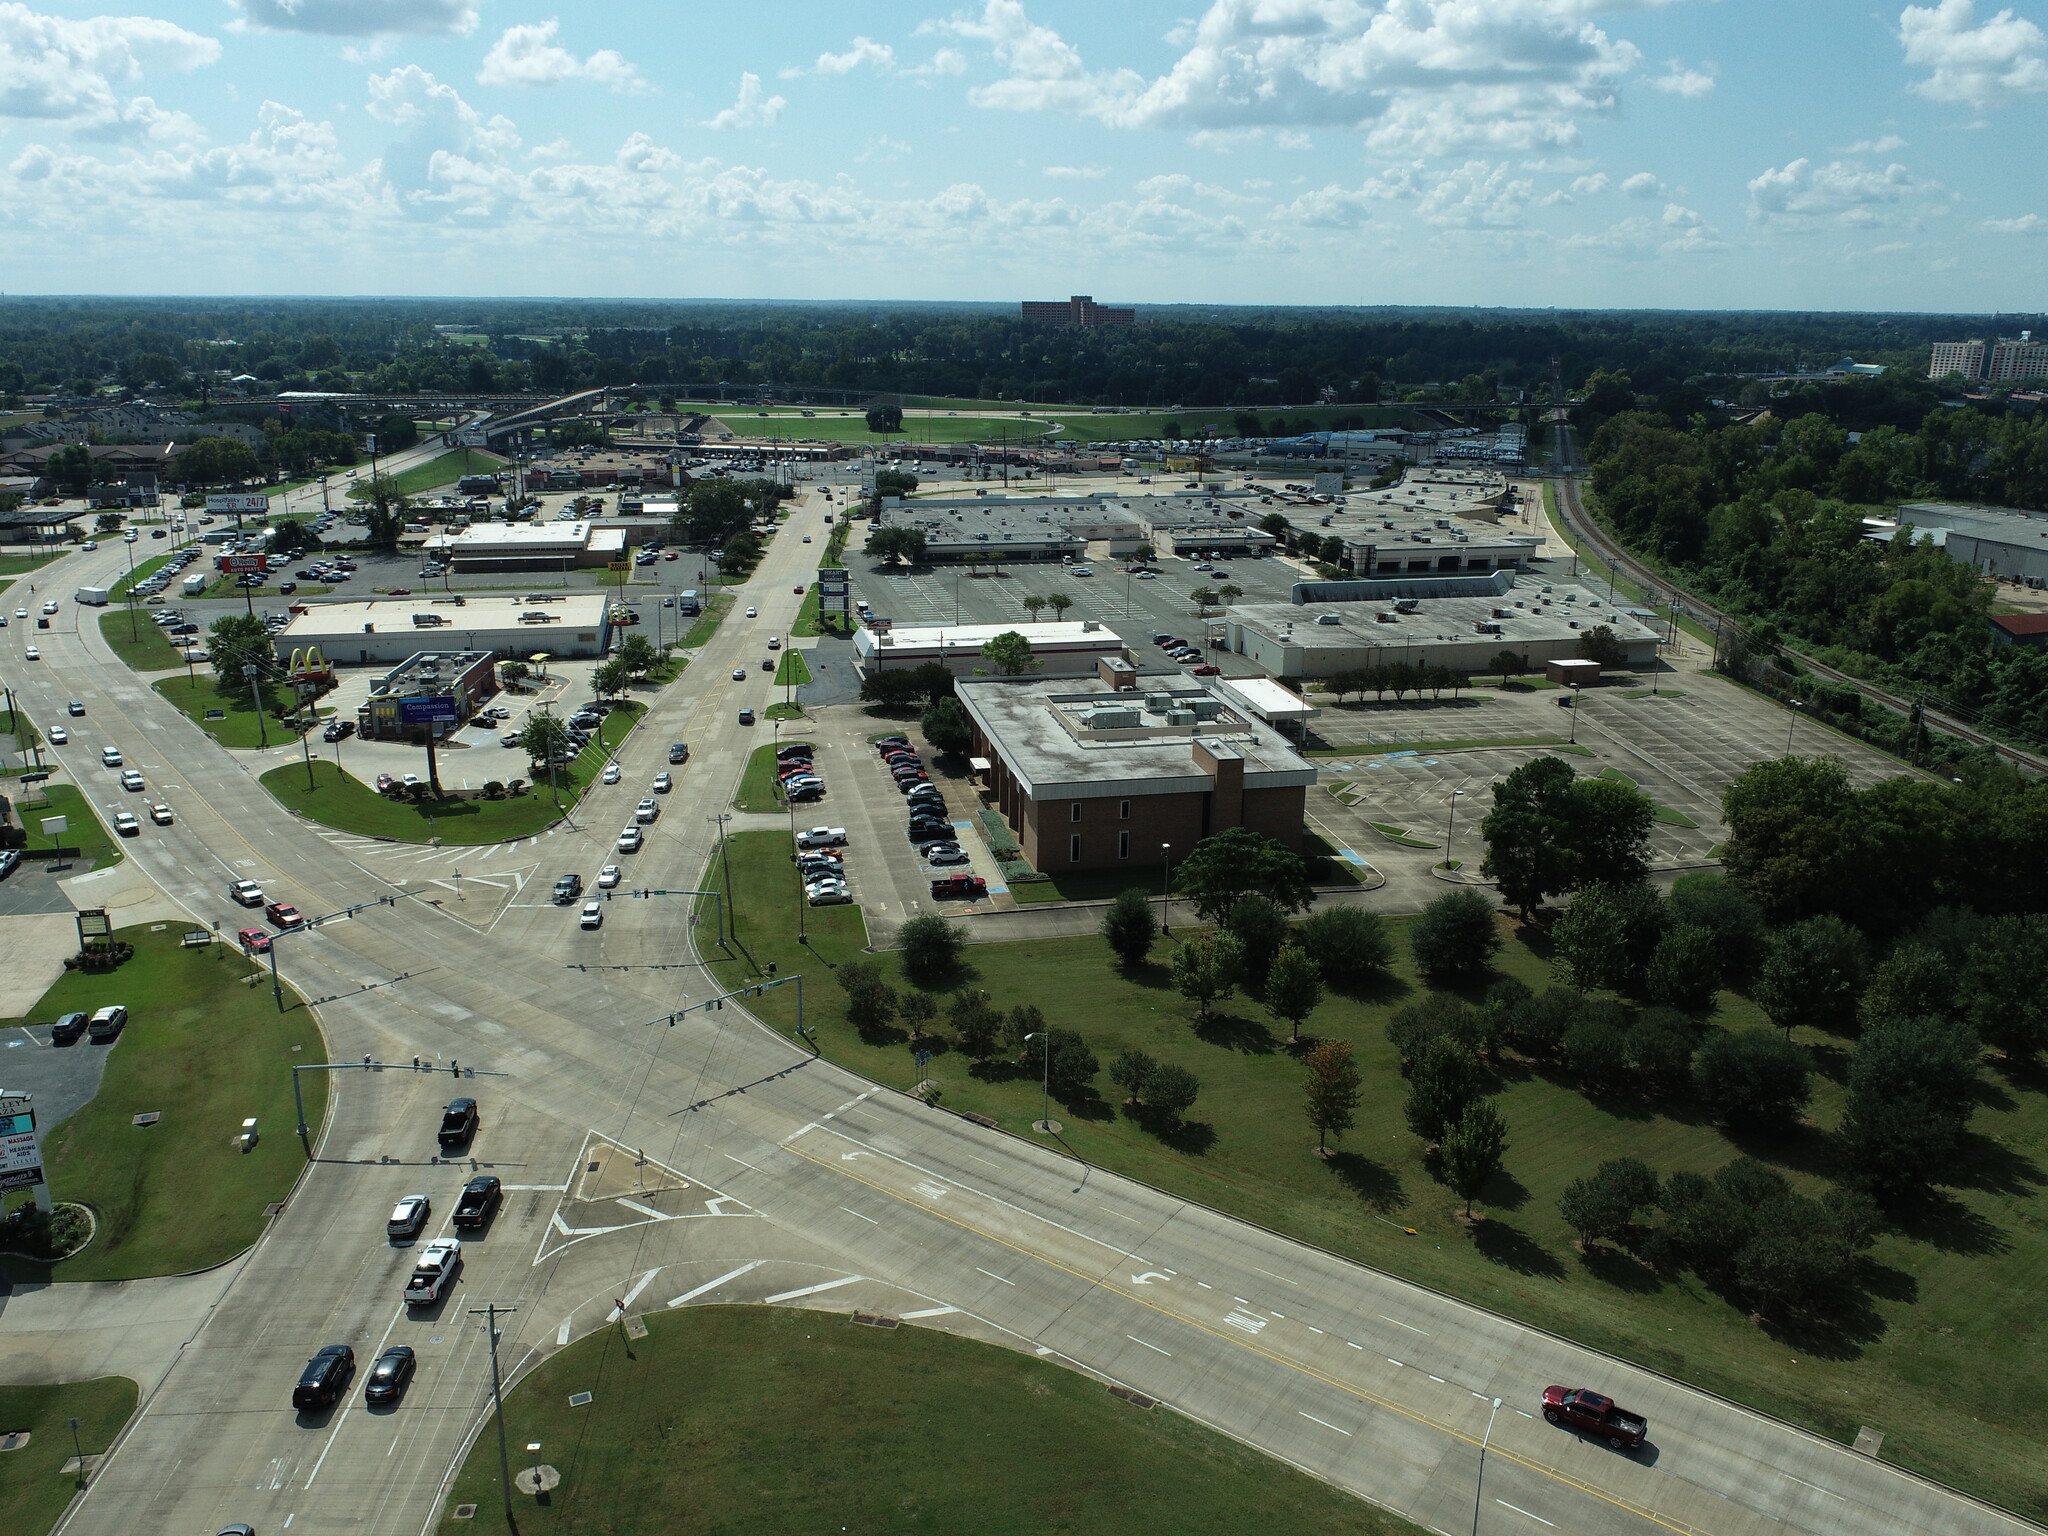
(1591, 1414)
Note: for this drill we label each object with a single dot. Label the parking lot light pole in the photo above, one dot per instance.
(1451, 828)
(1165, 881)
(1478, 1489)
(1792, 719)
(1045, 1084)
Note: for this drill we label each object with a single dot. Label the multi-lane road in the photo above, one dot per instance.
(713, 1160)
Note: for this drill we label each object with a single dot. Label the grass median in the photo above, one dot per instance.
(728, 1419)
(757, 784)
(1950, 1288)
(85, 831)
(716, 607)
(139, 641)
(35, 1489)
(239, 726)
(144, 569)
(340, 800)
(792, 671)
(205, 1048)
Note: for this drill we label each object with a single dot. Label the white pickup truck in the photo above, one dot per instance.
(821, 837)
(435, 1272)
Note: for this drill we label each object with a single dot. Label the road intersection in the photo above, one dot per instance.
(658, 1157)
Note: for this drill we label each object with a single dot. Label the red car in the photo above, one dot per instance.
(384, 782)
(399, 592)
(1206, 669)
(969, 886)
(1595, 1414)
(668, 554)
(284, 915)
(254, 941)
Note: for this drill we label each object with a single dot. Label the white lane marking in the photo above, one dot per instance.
(1354, 1346)
(1281, 1278)
(1245, 1322)
(712, 1205)
(1504, 1504)
(810, 1290)
(1399, 1324)
(1438, 1379)
(930, 1312)
(1312, 1328)
(994, 1276)
(552, 1188)
(631, 1296)
(1816, 1487)
(1153, 1347)
(986, 1163)
(562, 1333)
(1525, 1415)
(329, 1446)
(1392, 1361)
(394, 1446)
(1325, 1423)
(644, 1210)
(1240, 1301)
(712, 1285)
(1205, 1285)
(740, 1160)
(852, 1212)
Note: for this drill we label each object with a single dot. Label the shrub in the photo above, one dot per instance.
(1129, 927)
(1130, 1072)
(1170, 1092)
(1440, 1014)
(1603, 1206)
(1455, 937)
(1912, 1087)
(975, 1019)
(1754, 1079)
(1539, 1026)
(1660, 1049)
(1347, 943)
(1260, 928)
(1685, 970)
(1596, 1047)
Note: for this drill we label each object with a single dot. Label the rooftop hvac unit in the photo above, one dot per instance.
(1180, 717)
(1207, 709)
(1486, 627)
(1159, 703)
(1383, 617)
(1117, 719)
(1329, 618)
(1443, 522)
(1501, 613)
(1089, 626)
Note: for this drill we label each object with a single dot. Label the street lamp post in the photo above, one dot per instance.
(1792, 719)
(1478, 1489)
(1165, 881)
(1044, 1124)
(1451, 828)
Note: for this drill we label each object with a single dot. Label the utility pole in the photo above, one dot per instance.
(490, 1315)
(255, 675)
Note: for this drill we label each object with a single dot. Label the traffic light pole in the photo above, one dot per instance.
(277, 986)
(717, 896)
(454, 1069)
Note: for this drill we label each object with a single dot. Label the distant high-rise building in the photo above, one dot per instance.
(2015, 357)
(1964, 357)
(1078, 310)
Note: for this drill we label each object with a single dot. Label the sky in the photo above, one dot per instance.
(1685, 154)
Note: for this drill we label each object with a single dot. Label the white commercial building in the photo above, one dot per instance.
(1067, 649)
(389, 630)
(529, 547)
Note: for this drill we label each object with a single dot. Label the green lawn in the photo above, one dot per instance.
(141, 642)
(792, 671)
(87, 833)
(716, 607)
(225, 587)
(917, 428)
(435, 473)
(757, 784)
(731, 1420)
(143, 570)
(34, 1488)
(1955, 1290)
(205, 1049)
(239, 728)
(21, 728)
(21, 565)
(784, 712)
(340, 800)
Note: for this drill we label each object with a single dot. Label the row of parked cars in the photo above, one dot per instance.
(931, 827)
(1187, 653)
(101, 1028)
(166, 573)
(796, 773)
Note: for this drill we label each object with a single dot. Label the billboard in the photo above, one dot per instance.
(21, 1153)
(242, 565)
(439, 709)
(239, 503)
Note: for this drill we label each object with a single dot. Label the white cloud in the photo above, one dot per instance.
(2025, 224)
(1642, 184)
(1679, 80)
(1335, 207)
(1679, 231)
(1978, 65)
(53, 67)
(1843, 191)
(529, 56)
(1415, 75)
(1891, 143)
(865, 50)
(1588, 186)
(360, 18)
(1477, 196)
(1077, 172)
(749, 110)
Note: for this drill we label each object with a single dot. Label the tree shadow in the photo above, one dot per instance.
(1236, 1033)
(1623, 1271)
(1084, 1104)
(1149, 974)
(882, 1034)
(1192, 1137)
(1803, 1147)
(1830, 1061)
(1841, 1335)
(1943, 1222)
(1982, 1163)
(1375, 988)
(1887, 1282)
(1622, 1106)
(1505, 1192)
(1512, 1248)
(993, 1070)
(1371, 1181)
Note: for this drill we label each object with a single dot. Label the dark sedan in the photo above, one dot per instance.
(391, 1375)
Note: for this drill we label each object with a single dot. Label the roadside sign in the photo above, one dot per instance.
(239, 502)
(21, 1152)
(436, 710)
(240, 565)
(55, 826)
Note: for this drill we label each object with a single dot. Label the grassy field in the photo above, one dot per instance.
(340, 800)
(730, 1420)
(143, 570)
(88, 834)
(917, 428)
(150, 649)
(206, 1049)
(240, 728)
(1953, 1287)
(716, 607)
(435, 473)
(757, 784)
(21, 565)
(34, 1488)
(792, 671)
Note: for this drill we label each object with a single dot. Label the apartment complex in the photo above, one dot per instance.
(2019, 357)
(1080, 309)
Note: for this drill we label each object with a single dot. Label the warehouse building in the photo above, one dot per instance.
(1099, 775)
(529, 547)
(1065, 649)
(390, 630)
(2002, 542)
(1458, 622)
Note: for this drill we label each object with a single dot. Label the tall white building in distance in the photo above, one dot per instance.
(2019, 357)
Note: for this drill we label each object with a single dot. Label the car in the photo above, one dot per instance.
(32, 654)
(746, 716)
(409, 1217)
(247, 892)
(131, 779)
(68, 1028)
(384, 782)
(753, 612)
(608, 877)
(567, 889)
(593, 913)
(889, 743)
(509, 739)
(253, 941)
(807, 538)
(73, 707)
(58, 735)
(925, 792)
(389, 1377)
(630, 840)
(434, 1275)
(161, 814)
(821, 837)
(21, 613)
(767, 663)
(126, 825)
(678, 751)
(775, 642)
(324, 1379)
(929, 831)
(802, 781)
(955, 855)
(816, 864)
(1593, 1413)
(478, 1201)
(107, 1023)
(798, 589)
(1207, 669)
(459, 1122)
(1148, 575)
(937, 845)
(90, 545)
(828, 895)
(50, 607)
(795, 751)
(647, 810)
(284, 915)
(968, 886)
(663, 783)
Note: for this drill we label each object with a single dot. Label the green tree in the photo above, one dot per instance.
(1024, 1020)
(1610, 832)
(1446, 1079)
(975, 1019)
(1507, 664)
(1811, 974)
(1234, 863)
(1033, 605)
(239, 645)
(1430, 1016)
(1170, 1092)
(870, 1000)
(1752, 1079)
(1706, 898)
(638, 653)
(1685, 970)
(1793, 838)
(1528, 833)
(1454, 937)
(2002, 993)
(1260, 929)
(1129, 928)
(546, 738)
(216, 461)
(1599, 644)
(1603, 1205)
(1596, 1047)
(1059, 603)
(1661, 1044)
(611, 678)
(1072, 1069)
(1131, 1071)
(894, 482)
(917, 1010)
(1913, 981)
(930, 947)
(1608, 937)
(1348, 944)
(1206, 970)
(890, 687)
(1331, 1089)
(902, 546)
(883, 419)
(1293, 988)
(1009, 654)
(1473, 1151)
(1912, 1088)
(946, 726)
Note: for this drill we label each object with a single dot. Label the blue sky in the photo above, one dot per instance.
(1806, 154)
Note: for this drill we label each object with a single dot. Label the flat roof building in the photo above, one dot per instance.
(1080, 310)
(509, 627)
(2002, 542)
(1068, 648)
(551, 546)
(430, 693)
(1100, 775)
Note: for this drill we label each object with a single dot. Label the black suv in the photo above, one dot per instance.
(325, 1377)
(678, 751)
(459, 1122)
(567, 889)
(480, 1197)
(68, 1028)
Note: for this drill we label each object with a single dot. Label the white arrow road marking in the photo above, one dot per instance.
(1148, 1277)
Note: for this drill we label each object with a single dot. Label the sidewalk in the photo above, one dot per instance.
(132, 1328)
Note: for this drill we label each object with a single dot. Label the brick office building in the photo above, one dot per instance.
(1105, 775)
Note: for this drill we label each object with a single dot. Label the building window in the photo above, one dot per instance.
(1074, 849)
(1123, 844)
(1123, 810)
(1074, 811)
